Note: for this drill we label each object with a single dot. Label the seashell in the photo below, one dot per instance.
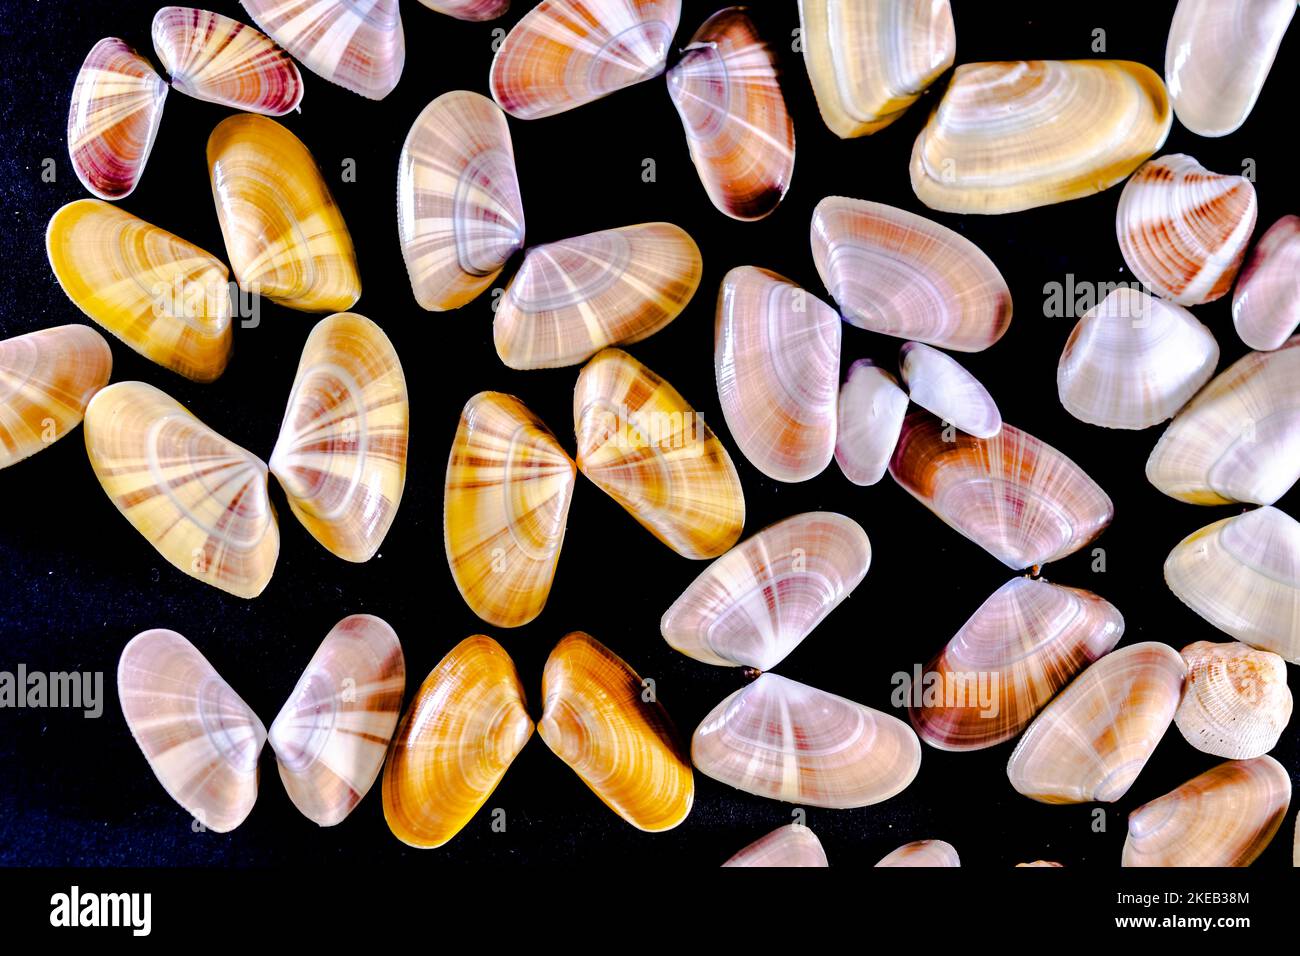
(164, 297)
(469, 9)
(357, 44)
(1016, 135)
(1040, 863)
(900, 274)
(509, 484)
(625, 748)
(755, 604)
(1242, 574)
(467, 723)
(220, 60)
(642, 445)
(117, 104)
(285, 236)
(341, 454)
(790, 845)
(1235, 701)
(1227, 816)
(870, 415)
(459, 213)
(565, 53)
(869, 61)
(1266, 303)
(776, 355)
(1133, 361)
(332, 734)
(200, 738)
(572, 298)
(46, 380)
(939, 384)
(1183, 230)
(781, 739)
(198, 498)
(1091, 742)
(1015, 652)
(1217, 58)
(923, 853)
(1018, 498)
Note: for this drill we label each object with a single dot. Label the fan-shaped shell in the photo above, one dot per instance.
(790, 845)
(469, 9)
(939, 384)
(922, 853)
(870, 415)
(1235, 702)
(1266, 302)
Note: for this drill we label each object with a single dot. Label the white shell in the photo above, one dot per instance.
(939, 384)
(871, 410)
(1235, 700)
(1266, 302)
(922, 853)
(790, 845)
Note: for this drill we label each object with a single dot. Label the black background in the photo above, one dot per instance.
(76, 582)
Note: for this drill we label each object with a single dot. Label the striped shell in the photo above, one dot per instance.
(475, 10)
(1235, 702)
(922, 853)
(790, 845)
(870, 413)
(938, 383)
(1266, 302)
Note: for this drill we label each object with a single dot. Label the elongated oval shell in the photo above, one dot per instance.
(756, 603)
(199, 499)
(572, 298)
(475, 10)
(332, 734)
(922, 853)
(1266, 302)
(642, 445)
(466, 724)
(776, 357)
(215, 58)
(790, 845)
(47, 379)
(781, 739)
(897, 273)
(1235, 702)
(1015, 135)
(505, 507)
(939, 384)
(200, 738)
(1092, 741)
(596, 718)
(870, 415)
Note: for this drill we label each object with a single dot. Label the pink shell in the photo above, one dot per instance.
(1266, 305)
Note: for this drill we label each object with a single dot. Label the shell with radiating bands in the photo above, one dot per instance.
(572, 298)
(474, 10)
(791, 845)
(923, 853)
(459, 213)
(642, 445)
(1266, 302)
(1235, 702)
(284, 234)
(200, 738)
(505, 505)
(870, 417)
(1092, 741)
(198, 498)
(1015, 135)
(332, 734)
(938, 383)
(215, 58)
(897, 273)
(776, 357)
(46, 380)
(564, 53)
(597, 718)
(341, 453)
(467, 723)
(1227, 816)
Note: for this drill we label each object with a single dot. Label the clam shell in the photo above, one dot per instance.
(1133, 361)
(199, 499)
(1018, 498)
(755, 604)
(1266, 302)
(869, 60)
(781, 739)
(459, 213)
(1040, 863)
(1235, 702)
(776, 356)
(790, 845)
(46, 380)
(939, 384)
(1183, 230)
(1227, 816)
(1015, 135)
(897, 273)
(200, 738)
(1092, 741)
(467, 723)
(870, 416)
(572, 298)
(642, 445)
(1025, 642)
(341, 454)
(509, 484)
(601, 719)
(332, 734)
(922, 853)
(469, 9)
(284, 234)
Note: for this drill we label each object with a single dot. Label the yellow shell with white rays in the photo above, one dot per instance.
(284, 234)
(198, 498)
(924, 853)
(505, 506)
(341, 454)
(200, 738)
(1236, 702)
(164, 297)
(791, 845)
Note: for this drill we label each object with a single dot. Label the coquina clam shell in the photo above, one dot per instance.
(1266, 302)
(1235, 702)
(475, 10)
(938, 383)
(922, 853)
(870, 415)
(790, 845)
